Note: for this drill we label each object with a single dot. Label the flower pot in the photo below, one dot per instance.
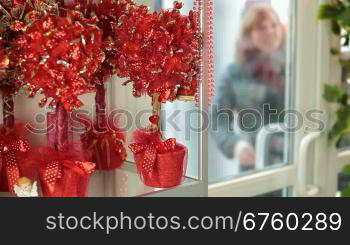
(107, 152)
(65, 178)
(168, 170)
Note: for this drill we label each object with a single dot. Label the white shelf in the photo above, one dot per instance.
(125, 182)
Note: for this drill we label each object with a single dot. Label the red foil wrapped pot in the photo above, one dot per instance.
(107, 147)
(65, 178)
(162, 169)
(109, 153)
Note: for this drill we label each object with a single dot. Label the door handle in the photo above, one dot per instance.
(262, 145)
(303, 188)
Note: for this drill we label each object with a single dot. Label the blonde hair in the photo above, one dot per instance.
(251, 17)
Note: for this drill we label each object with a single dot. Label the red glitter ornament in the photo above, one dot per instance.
(154, 119)
(178, 5)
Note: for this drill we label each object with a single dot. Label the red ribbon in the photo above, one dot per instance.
(150, 152)
(8, 153)
(54, 171)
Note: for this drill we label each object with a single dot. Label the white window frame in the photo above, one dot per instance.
(328, 161)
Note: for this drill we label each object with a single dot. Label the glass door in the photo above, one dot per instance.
(265, 114)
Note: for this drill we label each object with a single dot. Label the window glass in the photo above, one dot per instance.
(251, 122)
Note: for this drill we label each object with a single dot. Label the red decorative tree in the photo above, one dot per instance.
(14, 15)
(159, 53)
(58, 57)
(7, 89)
(63, 53)
(106, 140)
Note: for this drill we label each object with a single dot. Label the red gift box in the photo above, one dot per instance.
(108, 149)
(65, 178)
(161, 169)
(63, 173)
(107, 146)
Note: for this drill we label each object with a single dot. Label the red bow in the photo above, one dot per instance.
(8, 153)
(54, 170)
(150, 152)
